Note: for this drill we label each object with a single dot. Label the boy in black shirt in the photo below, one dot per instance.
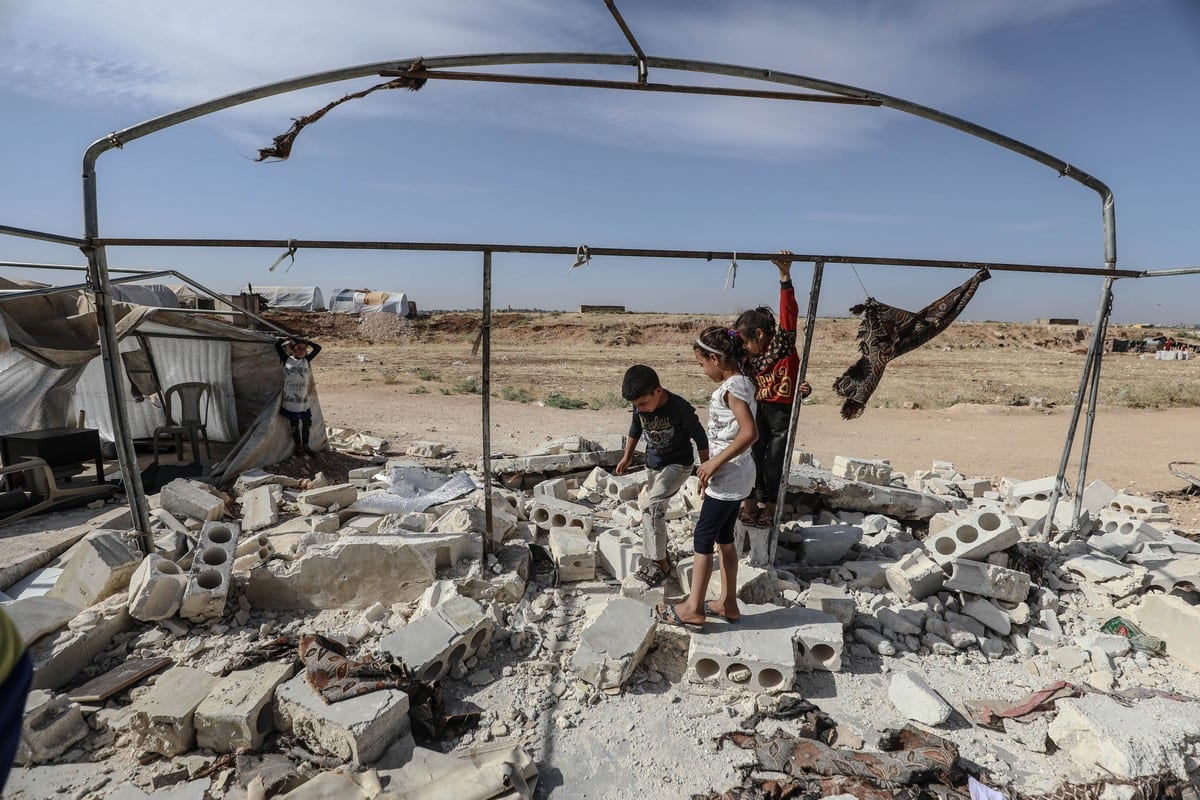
(670, 425)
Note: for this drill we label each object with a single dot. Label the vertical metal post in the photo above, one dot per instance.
(1093, 394)
(814, 296)
(486, 332)
(110, 354)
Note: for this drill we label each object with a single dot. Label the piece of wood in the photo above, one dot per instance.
(102, 687)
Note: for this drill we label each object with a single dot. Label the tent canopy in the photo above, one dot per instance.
(51, 370)
(365, 301)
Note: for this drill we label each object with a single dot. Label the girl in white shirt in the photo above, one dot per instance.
(726, 478)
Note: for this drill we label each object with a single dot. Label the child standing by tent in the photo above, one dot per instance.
(726, 478)
(297, 372)
(776, 368)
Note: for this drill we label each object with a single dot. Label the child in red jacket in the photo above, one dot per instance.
(776, 368)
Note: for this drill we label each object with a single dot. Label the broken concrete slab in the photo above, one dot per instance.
(236, 715)
(37, 616)
(260, 507)
(821, 544)
(892, 501)
(1176, 622)
(357, 730)
(875, 471)
(1137, 506)
(162, 719)
(756, 543)
(613, 644)
(913, 697)
(99, 566)
(1105, 737)
(831, 600)
(30, 544)
(354, 572)
(60, 656)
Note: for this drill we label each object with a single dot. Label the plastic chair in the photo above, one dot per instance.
(42, 492)
(192, 422)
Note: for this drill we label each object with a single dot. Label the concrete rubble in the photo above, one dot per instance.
(885, 598)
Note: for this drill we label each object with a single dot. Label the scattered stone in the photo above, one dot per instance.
(612, 645)
(915, 699)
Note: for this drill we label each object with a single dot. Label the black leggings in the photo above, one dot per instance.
(772, 419)
(301, 425)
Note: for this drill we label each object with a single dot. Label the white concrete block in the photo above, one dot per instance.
(1039, 489)
(357, 730)
(974, 538)
(916, 699)
(625, 487)
(354, 572)
(156, 589)
(1137, 506)
(1176, 622)
(212, 567)
(574, 554)
(877, 471)
(554, 487)
(831, 600)
(236, 714)
(260, 507)
(618, 551)
(548, 513)
(163, 719)
(755, 543)
(988, 580)
(915, 576)
(432, 645)
(341, 495)
(52, 725)
(425, 449)
(756, 653)
(193, 499)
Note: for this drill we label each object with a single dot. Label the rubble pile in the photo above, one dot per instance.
(915, 611)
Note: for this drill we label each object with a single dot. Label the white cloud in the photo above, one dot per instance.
(154, 57)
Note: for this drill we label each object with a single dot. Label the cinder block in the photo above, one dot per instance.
(818, 638)
(618, 551)
(975, 538)
(208, 582)
(163, 719)
(548, 513)
(1137, 506)
(191, 499)
(432, 645)
(555, 488)
(988, 580)
(974, 487)
(1039, 489)
(574, 554)
(612, 645)
(625, 487)
(341, 495)
(988, 614)
(51, 726)
(357, 730)
(156, 589)
(595, 481)
(915, 576)
(757, 653)
(99, 566)
(831, 600)
(755, 543)
(878, 472)
(425, 449)
(236, 714)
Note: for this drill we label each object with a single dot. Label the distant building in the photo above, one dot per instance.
(1056, 321)
(601, 309)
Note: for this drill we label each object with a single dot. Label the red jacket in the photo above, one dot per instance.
(776, 371)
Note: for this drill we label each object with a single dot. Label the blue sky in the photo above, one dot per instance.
(1108, 85)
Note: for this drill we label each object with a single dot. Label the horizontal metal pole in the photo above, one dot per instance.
(1163, 273)
(57, 238)
(78, 287)
(590, 83)
(71, 267)
(636, 252)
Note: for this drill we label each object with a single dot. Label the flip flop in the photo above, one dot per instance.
(712, 611)
(749, 517)
(667, 615)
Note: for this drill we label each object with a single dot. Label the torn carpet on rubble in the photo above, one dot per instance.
(922, 765)
(336, 677)
(887, 332)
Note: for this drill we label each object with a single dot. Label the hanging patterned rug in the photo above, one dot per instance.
(887, 332)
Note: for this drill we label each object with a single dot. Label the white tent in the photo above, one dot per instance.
(50, 370)
(296, 298)
(360, 301)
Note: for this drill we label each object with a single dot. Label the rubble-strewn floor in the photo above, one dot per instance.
(513, 635)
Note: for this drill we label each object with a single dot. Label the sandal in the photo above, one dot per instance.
(713, 611)
(765, 517)
(667, 615)
(652, 574)
(749, 516)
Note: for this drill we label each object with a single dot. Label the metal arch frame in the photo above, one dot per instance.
(95, 248)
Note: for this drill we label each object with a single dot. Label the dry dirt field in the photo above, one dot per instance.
(964, 397)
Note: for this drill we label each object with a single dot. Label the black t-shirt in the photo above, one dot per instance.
(669, 432)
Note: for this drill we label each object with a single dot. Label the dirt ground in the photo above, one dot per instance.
(970, 397)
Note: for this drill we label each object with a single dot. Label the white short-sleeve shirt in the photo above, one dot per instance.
(735, 479)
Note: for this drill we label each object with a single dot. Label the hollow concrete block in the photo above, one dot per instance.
(99, 566)
(357, 730)
(236, 714)
(163, 719)
(915, 576)
(212, 566)
(617, 552)
(988, 580)
(549, 513)
(974, 538)
(574, 554)
(156, 589)
(450, 633)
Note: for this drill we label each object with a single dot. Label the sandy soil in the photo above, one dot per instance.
(1130, 448)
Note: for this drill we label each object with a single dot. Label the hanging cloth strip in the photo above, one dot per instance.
(887, 333)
